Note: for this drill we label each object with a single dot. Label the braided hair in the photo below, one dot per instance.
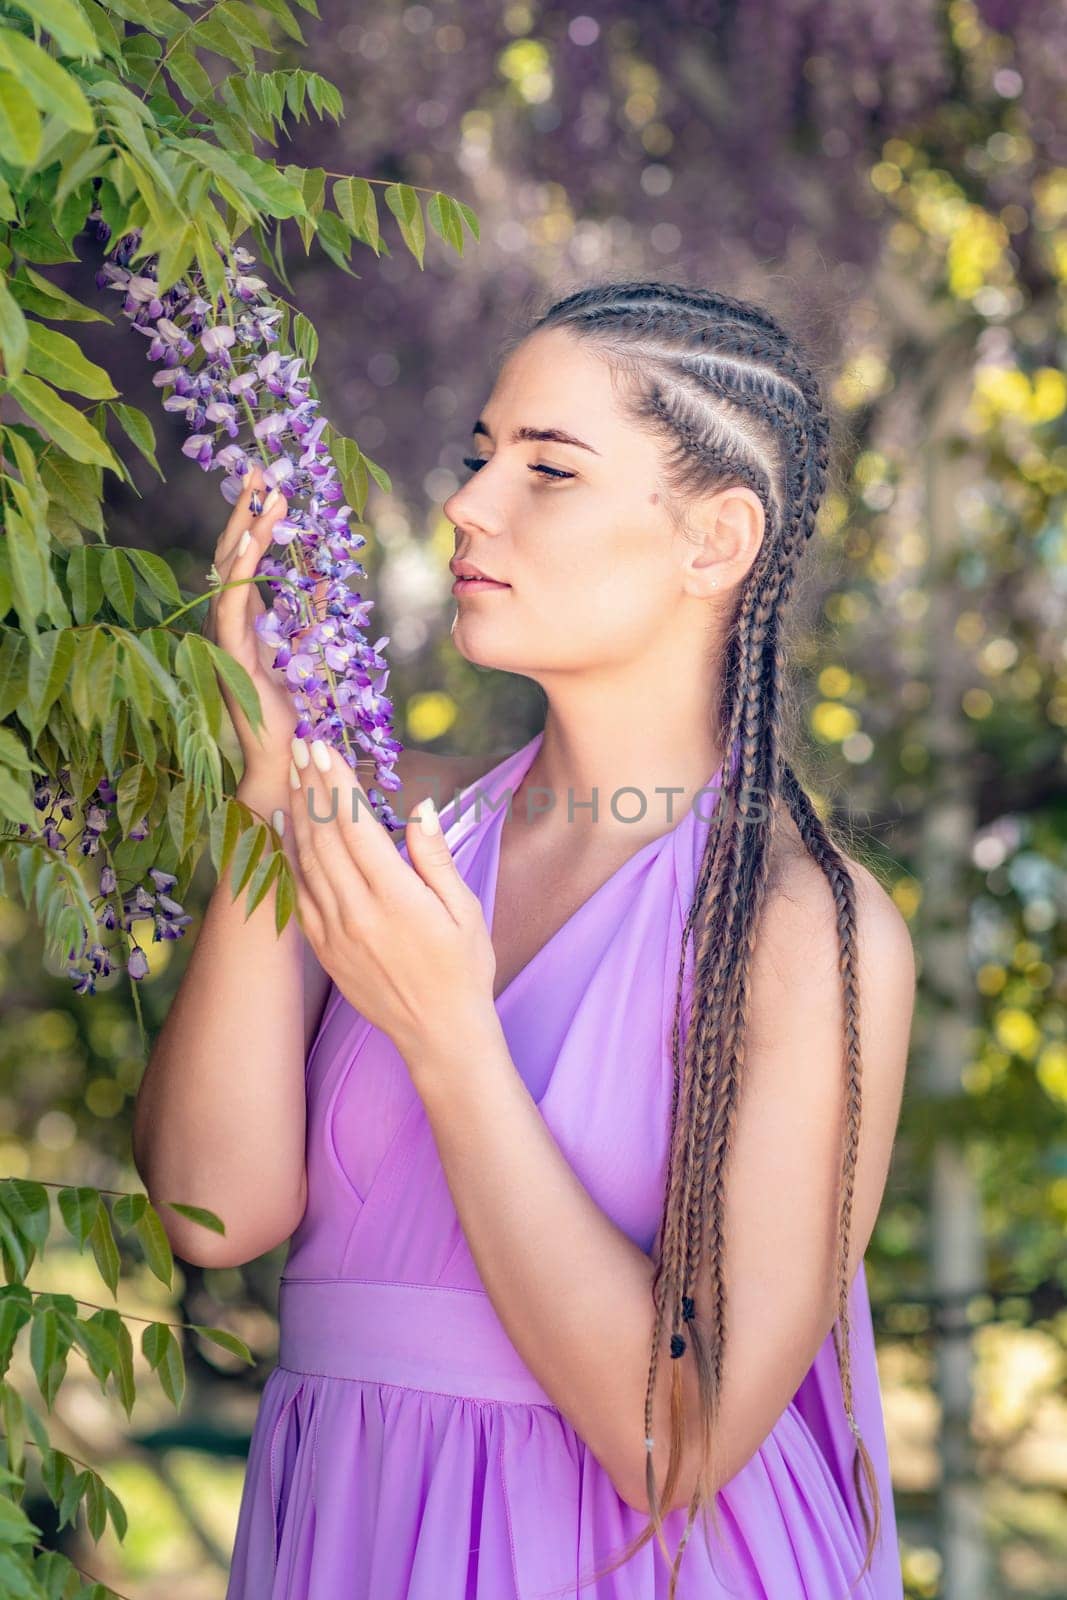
(723, 385)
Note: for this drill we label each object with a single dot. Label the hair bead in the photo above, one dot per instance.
(677, 1344)
(688, 1308)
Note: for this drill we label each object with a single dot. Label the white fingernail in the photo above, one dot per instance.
(294, 776)
(278, 820)
(249, 474)
(271, 500)
(300, 753)
(320, 755)
(244, 541)
(429, 821)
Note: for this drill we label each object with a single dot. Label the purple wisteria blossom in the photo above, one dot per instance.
(54, 798)
(245, 403)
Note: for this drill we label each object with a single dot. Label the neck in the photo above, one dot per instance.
(643, 764)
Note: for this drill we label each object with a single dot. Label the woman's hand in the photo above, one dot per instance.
(407, 945)
(231, 614)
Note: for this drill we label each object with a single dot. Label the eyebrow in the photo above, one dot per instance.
(554, 435)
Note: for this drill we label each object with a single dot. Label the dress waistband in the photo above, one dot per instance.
(419, 1336)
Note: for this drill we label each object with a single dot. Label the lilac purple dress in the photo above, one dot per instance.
(402, 1449)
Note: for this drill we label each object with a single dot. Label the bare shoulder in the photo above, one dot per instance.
(799, 967)
(807, 912)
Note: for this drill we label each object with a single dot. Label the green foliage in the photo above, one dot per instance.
(131, 106)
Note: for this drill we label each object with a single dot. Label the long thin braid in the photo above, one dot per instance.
(718, 380)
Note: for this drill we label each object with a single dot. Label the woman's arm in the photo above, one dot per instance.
(219, 1117)
(574, 1292)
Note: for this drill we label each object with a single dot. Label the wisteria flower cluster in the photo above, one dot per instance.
(245, 403)
(54, 798)
(243, 400)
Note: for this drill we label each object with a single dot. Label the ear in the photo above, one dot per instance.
(727, 530)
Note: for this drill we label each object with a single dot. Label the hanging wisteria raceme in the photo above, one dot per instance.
(53, 797)
(244, 403)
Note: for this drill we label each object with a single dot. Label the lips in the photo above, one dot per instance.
(461, 568)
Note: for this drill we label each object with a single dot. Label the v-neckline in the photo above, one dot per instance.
(515, 779)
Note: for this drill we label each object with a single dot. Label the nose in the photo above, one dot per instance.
(467, 515)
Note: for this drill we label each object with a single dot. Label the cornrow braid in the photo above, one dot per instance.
(720, 382)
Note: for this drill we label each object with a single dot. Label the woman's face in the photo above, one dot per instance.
(580, 535)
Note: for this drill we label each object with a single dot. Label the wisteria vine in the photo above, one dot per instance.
(244, 403)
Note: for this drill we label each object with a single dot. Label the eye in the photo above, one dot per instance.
(475, 463)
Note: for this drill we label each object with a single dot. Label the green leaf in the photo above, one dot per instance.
(105, 1250)
(193, 661)
(238, 682)
(184, 808)
(136, 789)
(78, 171)
(55, 356)
(13, 753)
(93, 677)
(207, 1219)
(54, 89)
(76, 486)
(63, 423)
(305, 339)
(445, 219)
(336, 240)
(228, 1341)
(83, 581)
(174, 257)
(163, 1354)
(250, 847)
(66, 22)
(139, 430)
(213, 32)
(403, 202)
(281, 11)
(156, 1245)
(261, 880)
(16, 1309)
(77, 1207)
(470, 217)
(224, 828)
(137, 680)
(20, 123)
(285, 898)
(159, 15)
(28, 565)
(246, 25)
(116, 575)
(191, 78)
(49, 674)
(157, 574)
(354, 199)
(36, 293)
(14, 667)
(16, 801)
(14, 334)
(26, 1203)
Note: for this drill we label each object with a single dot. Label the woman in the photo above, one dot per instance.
(576, 1164)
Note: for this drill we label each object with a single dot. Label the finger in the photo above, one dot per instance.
(257, 519)
(235, 607)
(322, 873)
(358, 830)
(243, 511)
(308, 914)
